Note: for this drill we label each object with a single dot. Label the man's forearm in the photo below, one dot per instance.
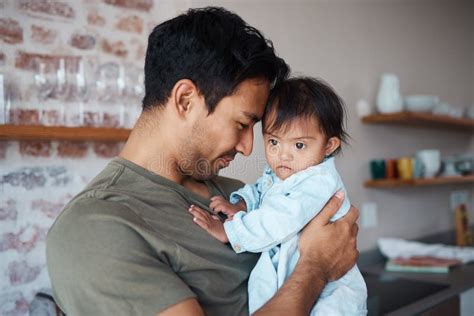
(297, 295)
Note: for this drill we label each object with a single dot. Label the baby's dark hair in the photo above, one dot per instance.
(306, 97)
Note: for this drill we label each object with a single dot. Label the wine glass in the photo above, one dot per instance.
(80, 90)
(106, 82)
(61, 90)
(109, 90)
(4, 105)
(44, 80)
(135, 83)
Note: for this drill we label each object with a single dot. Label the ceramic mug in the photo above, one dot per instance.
(405, 168)
(377, 169)
(431, 160)
(391, 169)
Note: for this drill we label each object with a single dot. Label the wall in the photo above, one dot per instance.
(428, 44)
(38, 178)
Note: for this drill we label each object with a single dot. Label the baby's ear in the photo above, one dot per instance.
(332, 144)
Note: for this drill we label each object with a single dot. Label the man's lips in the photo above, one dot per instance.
(228, 157)
(226, 160)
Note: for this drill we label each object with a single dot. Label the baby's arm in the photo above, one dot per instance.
(245, 199)
(281, 217)
(220, 205)
(242, 200)
(208, 222)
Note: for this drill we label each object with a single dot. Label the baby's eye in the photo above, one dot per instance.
(273, 142)
(300, 145)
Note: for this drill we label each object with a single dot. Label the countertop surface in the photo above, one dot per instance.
(459, 279)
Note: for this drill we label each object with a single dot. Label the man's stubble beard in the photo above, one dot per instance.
(193, 161)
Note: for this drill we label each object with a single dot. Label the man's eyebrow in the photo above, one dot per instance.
(252, 116)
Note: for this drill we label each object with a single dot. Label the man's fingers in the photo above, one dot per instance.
(352, 216)
(355, 229)
(331, 208)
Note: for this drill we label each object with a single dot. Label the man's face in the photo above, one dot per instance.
(215, 139)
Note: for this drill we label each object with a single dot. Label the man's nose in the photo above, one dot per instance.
(245, 144)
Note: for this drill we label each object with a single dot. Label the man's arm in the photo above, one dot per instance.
(327, 251)
(189, 307)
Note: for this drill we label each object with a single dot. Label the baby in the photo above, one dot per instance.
(303, 129)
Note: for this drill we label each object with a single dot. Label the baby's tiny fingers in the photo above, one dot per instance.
(201, 216)
(201, 223)
(213, 205)
(196, 211)
(217, 197)
(196, 208)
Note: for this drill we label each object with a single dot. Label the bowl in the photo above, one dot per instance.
(420, 103)
(465, 165)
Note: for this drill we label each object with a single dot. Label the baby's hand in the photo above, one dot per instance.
(210, 223)
(220, 205)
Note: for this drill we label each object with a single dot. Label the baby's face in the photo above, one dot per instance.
(295, 147)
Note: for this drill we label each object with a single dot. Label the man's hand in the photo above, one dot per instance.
(327, 251)
(330, 247)
(220, 205)
(208, 222)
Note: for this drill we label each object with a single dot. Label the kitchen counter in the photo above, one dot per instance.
(458, 280)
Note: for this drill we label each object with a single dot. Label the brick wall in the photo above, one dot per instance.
(37, 178)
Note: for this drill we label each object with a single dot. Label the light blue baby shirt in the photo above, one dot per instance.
(277, 210)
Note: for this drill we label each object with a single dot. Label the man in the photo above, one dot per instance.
(127, 245)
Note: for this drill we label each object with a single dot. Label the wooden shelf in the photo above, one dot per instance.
(421, 119)
(31, 132)
(391, 183)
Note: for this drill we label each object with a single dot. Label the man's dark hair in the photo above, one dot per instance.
(306, 97)
(212, 47)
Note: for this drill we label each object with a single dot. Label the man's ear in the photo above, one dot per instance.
(184, 93)
(332, 144)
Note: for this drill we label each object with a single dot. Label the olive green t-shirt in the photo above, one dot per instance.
(127, 245)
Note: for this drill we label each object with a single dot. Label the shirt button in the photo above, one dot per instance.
(237, 248)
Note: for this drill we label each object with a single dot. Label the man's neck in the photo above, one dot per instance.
(149, 147)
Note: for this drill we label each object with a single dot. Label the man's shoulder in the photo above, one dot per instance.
(86, 209)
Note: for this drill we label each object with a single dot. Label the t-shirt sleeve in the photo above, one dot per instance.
(101, 262)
